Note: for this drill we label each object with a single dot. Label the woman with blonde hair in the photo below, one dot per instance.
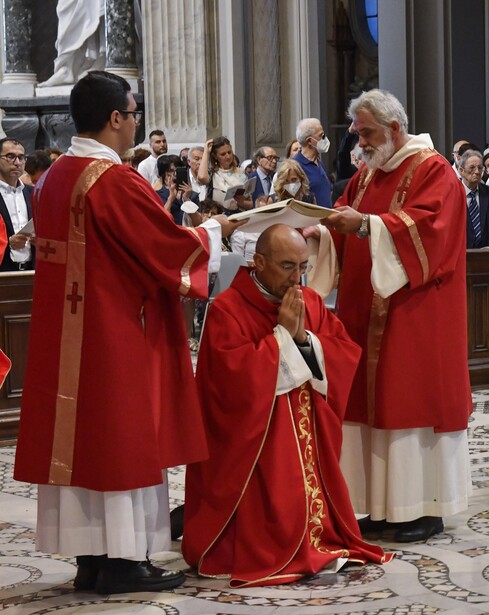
(291, 182)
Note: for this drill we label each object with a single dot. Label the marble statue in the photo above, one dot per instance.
(80, 42)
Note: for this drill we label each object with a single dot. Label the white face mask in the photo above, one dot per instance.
(322, 145)
(293, 188)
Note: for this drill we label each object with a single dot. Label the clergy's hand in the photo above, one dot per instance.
(228, 226)
(311, 231)
(291, 312)
(344, 219)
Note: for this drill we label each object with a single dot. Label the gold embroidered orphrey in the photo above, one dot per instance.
(71, 253)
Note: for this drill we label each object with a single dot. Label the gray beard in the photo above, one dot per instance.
(377, 157)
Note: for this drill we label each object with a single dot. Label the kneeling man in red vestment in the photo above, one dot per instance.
(270, 504)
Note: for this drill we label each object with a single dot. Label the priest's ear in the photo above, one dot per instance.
(260, 261)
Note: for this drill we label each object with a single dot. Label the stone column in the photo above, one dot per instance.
(266, 73)
(121, 40)
(19, 79)
(181, 76)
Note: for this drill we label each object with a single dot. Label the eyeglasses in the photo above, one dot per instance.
(474, 168)
(13, 157)
(136, 114)
(272, 158)
(291, 267)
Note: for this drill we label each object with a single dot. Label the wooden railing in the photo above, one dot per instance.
(478, 316)
(15, 318)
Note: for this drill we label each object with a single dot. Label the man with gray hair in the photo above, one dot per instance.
(313, 142)
(194, 159)
(266, 161)
(399, 232)
(470, 167)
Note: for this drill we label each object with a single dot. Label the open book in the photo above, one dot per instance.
(244, 190)
(294, 213)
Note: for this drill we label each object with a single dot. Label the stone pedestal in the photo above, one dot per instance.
(58, 90)
(18, 85)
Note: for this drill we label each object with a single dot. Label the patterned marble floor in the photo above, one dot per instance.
(449, 574)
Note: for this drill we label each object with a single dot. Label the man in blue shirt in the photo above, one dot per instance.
(314, 142)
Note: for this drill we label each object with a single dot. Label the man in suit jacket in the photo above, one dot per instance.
(15, 206)
(266, 164)
(470, 168)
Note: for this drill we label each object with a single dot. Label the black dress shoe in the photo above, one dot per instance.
(367, 526)
(419, 529)
(120, 576)
(176, 522)
(88, 569)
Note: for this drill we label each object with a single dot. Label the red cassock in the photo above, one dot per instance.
(413, 371)
(270, 505)
(109, 396)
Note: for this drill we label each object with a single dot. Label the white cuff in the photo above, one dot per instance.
(388, 274)
(214, 233)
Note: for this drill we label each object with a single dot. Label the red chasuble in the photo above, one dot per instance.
(109, 397)
(414, 368)
(270, 505)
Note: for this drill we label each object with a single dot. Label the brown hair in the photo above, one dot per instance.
(216, 144)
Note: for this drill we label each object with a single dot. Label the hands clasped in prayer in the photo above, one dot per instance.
(291, 314)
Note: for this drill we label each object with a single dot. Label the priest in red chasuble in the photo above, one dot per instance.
(109, 398)
(399, 238)
(270, 505)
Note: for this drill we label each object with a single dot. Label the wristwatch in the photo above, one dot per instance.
(363, 230)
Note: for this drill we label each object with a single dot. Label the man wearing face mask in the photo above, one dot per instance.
(314, 142)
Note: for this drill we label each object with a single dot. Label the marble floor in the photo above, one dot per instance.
(449, 574)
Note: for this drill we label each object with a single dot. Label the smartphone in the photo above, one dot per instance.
(181, 176)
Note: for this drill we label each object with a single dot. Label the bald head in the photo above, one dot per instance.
(280, 258)
(274, 237)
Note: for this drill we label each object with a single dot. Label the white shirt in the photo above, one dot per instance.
(200, 189)
(148, 170)
(263, 178)
(17, 209)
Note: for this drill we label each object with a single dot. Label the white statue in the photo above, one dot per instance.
(80, 42)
